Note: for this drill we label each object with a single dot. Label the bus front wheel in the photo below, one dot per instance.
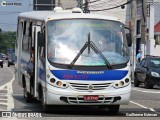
(46, 108)
(113, 109)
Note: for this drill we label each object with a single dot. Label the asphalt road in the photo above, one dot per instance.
(144, 103)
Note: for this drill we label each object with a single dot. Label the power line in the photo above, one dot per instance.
(94, 1)
(112, 7)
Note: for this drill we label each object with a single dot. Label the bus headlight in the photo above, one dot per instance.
(57, 83)
(122, 83)
(52, 80)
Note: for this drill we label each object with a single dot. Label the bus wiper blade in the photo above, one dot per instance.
(78, 55)
(90, 44)
(99, 53)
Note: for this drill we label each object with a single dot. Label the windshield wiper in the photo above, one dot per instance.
(90, 44)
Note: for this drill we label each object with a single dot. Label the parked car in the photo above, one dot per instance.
(1, 61)
(148, 72)
(11, 59)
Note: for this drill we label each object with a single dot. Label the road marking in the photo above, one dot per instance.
(3, 86)
(151, 109)
(145, 91)
(139, 105)
(9, 94)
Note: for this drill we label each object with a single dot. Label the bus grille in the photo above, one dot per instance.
(80, 100)
(89, 87)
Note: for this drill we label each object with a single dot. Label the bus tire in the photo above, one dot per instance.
(46, 108)
(114, 109)
(27, 95)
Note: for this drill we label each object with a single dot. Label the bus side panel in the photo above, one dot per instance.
(41, 73)
(25, 58)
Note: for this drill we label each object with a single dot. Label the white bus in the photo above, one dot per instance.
(79, 59)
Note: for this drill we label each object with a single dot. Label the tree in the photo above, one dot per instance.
(6, 40)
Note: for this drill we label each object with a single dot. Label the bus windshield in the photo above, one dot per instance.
(66, 38)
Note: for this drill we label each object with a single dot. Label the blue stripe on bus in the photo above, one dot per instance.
(90, 75)
(41, 74)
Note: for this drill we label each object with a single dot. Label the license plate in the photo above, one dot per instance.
(91, 97)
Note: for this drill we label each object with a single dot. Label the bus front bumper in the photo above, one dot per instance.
(118, 97)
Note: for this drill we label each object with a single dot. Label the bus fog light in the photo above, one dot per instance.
(64, 85)
(116, 84)
(121, 83)
(59, 83)
(127, 80)
(52, 80)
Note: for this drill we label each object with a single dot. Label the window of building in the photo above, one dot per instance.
(138, 31)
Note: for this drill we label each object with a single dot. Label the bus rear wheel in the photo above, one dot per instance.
(27, 95)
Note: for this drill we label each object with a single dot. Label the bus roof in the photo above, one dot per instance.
(51, 15)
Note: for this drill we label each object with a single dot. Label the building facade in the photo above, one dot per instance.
(147, 20)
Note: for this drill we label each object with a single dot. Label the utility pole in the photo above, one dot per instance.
(151, 41)
(133, 32)
(143, 26)
(86, 8)
(59, 3)
(80, 3)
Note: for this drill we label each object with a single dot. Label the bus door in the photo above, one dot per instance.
(35, 30)
(18, 53)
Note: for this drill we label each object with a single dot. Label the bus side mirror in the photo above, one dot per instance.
(129, 39)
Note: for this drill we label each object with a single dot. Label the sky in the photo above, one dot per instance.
(9, 13)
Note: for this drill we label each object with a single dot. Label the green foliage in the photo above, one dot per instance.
(7, 40)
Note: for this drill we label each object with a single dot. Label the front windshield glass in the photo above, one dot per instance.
(155, 62)
(67, 37)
